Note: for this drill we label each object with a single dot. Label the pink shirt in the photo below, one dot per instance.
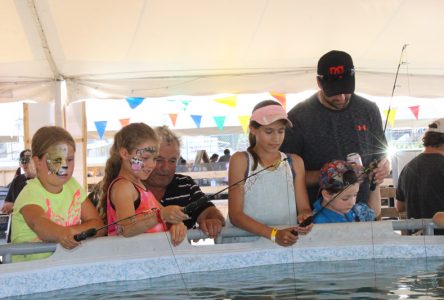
(147, 201)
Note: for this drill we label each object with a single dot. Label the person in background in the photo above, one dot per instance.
(132, 159)
(420, 189)
(52, 207)
(275, 196)
(335, 122)
(226, 157)
(214, 157)
(339, 185)
(171, 188)
(19, 181)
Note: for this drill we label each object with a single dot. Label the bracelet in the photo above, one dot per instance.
(274, 232)
(159, 217)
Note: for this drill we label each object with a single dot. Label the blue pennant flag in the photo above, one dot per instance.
(197, 119)
(100, 126)
(134, 101)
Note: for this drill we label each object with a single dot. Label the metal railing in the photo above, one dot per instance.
(7, 250)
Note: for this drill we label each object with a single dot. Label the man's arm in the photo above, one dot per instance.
(211, 221)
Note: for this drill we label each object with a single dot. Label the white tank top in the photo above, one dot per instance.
(269, 196)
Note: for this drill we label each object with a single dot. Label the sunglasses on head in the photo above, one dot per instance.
(333, 77)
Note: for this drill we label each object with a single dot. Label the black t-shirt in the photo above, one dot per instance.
(17, 184)
(421, 185)
(181, 191)
(320, 135)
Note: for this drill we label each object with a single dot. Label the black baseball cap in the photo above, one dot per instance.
(336, 73)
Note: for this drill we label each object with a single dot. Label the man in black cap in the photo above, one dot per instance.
(335, 122)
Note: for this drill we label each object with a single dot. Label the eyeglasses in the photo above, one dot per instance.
(25, 160)
(333, 77)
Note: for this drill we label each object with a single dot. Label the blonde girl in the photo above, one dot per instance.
(52, 207)
(132, 159)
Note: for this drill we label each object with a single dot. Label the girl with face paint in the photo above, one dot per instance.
(132, 159)
(52, 207)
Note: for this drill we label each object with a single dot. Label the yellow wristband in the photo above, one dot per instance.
(273, 235)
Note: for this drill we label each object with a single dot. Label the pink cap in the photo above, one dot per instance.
(270, 114)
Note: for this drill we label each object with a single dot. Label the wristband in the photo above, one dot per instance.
(274, 232)
(157, 212)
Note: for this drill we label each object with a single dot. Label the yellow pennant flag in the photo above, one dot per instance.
(390, 116)
(230, 101)
(244, 121)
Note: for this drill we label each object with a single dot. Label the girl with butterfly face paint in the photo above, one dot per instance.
(132, 159)
(52, 207)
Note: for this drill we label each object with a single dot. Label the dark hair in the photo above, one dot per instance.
(256, 125)
(433, 139)
(226, 151)
(22, 154)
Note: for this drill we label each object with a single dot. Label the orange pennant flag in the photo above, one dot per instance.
(415, 111)
(280, 97)
(390, 115)
(124, 122)
(230, 101)
(244, 121)
(173, 118)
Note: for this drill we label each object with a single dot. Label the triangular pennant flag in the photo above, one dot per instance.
(244, 121)
(134, 101)
(197, 119)
(185, 104)
(173, 118)
(100, 126)
(415, 111)
(124, 122)
(230, 101)
(390, 116)
(220, 120)
(280, 97)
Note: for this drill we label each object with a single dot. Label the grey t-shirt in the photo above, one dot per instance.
(320, 135)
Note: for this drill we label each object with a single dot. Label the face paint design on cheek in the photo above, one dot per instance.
(56, 159)
(137, 161)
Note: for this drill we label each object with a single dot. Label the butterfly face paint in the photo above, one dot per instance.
(56, 159)
(137, 161)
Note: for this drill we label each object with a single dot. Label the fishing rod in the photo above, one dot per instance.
(394, 85)
(309, 220)
(188, 209)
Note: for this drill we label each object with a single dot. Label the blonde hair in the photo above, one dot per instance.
(129, 137)
(47, 136)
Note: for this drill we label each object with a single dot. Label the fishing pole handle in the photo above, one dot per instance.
(85, 234)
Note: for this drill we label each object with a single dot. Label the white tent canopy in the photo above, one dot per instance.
(140, 48)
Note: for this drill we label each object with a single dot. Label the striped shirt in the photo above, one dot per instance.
(181, 191)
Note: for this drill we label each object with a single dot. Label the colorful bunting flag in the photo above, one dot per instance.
(124, 122)
(134, 101)
(415, 111)
(185, 104)
(173, 118)
(197, 119)
(220, 120)
(230, 101)
(244, 121)
(390, 116)
(280, 97)
(100, 126)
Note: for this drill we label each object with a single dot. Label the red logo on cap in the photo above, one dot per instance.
(337, 70)
(362, 127)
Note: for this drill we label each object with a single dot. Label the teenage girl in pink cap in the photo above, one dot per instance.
(275, 196)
